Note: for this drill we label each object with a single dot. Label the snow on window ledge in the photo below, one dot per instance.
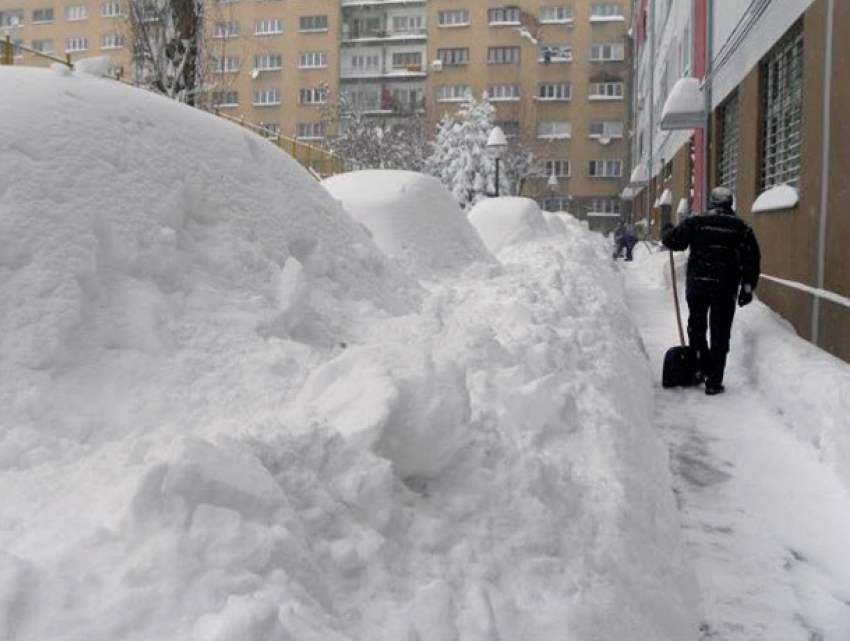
(776, 198)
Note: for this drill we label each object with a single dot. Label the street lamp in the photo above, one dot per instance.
(552, 185)
(497, 143)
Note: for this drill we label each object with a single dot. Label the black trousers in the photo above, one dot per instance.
(712, 308)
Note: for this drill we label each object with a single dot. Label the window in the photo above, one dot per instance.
(112, 41)
(408, 24)
(226, 30)
(42, 15)
(557, 168)
(556, 203)
(509, 127)
(229, 64)
(606, 129)
(312, 96)
(554, 129)
(604, 205)
(605, 168)
(312, 59)
(453, 18)
(43, 46)
(17, 52)
(606, 11)
(554, 53)
(504, 15)
(268, 26)
(111, 10)
(369, 63)
(556, 14)
(554, 91)
(313, 23)
(225, 98)
(12, 19)
(606, 90)
(76, 44)
(783, 103)
(311, 130)
(607, 52)
(268, 62)
(502, 55)
(452, 93)
(727, 155)
(453, 57)
(409, 60)
(503, 93)
(266, 97)
(76, 12)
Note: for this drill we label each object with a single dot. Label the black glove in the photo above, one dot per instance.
(745, 296)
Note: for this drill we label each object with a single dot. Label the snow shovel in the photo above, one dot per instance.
(680, 362)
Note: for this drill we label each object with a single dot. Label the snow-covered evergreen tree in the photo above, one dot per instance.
(166, 39)
(460, 158)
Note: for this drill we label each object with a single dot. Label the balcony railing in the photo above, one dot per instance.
(353, 33)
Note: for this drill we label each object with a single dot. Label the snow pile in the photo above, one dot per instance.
(507, 220)
(776, 199)
(412, 218)
(226, 415)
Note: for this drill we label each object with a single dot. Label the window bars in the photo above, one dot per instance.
(727, 163)
(783, 101)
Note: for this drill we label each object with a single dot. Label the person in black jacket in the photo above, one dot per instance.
(724, 264)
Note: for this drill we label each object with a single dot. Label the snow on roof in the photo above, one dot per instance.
(685, 105)
(412, 218)
(508, 220)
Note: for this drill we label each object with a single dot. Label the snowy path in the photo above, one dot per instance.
(767, 523)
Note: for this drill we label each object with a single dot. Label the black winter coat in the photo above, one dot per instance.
(724, 249)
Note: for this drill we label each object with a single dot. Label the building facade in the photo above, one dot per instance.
(775, 93)
(556, 71)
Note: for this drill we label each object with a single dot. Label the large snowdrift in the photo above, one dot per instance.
(412, 217)
(508, 220)
(225, 417)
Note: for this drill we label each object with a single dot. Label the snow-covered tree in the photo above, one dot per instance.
(460, 158)
(167, 38)
(368, 142)
(518, 164)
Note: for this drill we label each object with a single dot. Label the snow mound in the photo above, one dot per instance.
(412, 218)
(423, 413)
(508, 220)
(555, 220)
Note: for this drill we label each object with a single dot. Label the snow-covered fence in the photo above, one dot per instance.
(7, 56)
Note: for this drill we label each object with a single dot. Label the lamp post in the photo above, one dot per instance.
(496, 144)
(552, 185)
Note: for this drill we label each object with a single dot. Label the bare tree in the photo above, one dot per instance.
(519, 164)
(167, 37)
(372, 143)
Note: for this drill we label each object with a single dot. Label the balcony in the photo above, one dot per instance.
(352, 34)
(348, 72)
(382, 3)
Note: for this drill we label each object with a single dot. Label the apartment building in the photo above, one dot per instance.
(772, 91)
(555, 70)
(557, 75)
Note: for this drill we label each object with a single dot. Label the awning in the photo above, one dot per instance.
(639, 177)
(627, 194)
(666, 198)
(685, 106)
(682, 209)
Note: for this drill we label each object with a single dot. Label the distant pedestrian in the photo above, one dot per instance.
(624, 241)
(724, 263)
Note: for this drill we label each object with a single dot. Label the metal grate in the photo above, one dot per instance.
(783, 101)
(728, 155)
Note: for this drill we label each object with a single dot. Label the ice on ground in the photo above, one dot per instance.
(412, 217)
